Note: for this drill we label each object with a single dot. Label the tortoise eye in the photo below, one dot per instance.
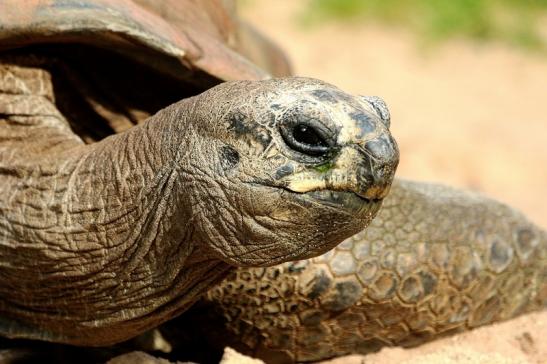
(306, 134)
(305, 138)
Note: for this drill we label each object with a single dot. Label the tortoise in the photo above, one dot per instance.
(109, 229)
(305, 162)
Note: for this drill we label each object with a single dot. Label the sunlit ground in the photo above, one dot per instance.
(469, 113)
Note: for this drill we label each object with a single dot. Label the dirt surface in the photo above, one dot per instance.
(520, 340)
(467, 115)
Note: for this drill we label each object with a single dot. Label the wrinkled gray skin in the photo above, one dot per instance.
(101, 241)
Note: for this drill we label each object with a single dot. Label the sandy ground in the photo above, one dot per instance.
(467, 115)
(519, 341)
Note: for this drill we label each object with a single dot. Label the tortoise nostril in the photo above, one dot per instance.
(380, 160)
(382, 150)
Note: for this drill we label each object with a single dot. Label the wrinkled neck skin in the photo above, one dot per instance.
(103, 234)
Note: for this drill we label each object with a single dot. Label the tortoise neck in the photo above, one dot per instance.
(136, 181)
(115, 224)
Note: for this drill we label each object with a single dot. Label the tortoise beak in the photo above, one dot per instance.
(366, 169)
(376, 167)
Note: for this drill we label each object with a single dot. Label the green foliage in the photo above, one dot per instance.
(512, 21)
(325, 167)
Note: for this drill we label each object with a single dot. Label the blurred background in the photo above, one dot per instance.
(466, 81)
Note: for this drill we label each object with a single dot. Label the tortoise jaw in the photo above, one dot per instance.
(347, 199)
(343, 191)
(339, 199)
(336, 195)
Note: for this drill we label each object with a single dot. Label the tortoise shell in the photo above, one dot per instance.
(177, 37)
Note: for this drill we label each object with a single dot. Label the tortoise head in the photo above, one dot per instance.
(299, 166)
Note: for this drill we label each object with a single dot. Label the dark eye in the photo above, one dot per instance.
(306, 134)
(305, 138)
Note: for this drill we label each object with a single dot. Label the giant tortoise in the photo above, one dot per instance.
(133, 181)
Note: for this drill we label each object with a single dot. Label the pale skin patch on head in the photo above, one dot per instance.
(368, 107)
(348, 132)
(351, 131)
(283, 215)
(346, 159)
(270, 152)
(306, 181)
(286, 101)
(338, 177)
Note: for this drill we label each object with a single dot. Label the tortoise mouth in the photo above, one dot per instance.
(337, 198)
(347, 201)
